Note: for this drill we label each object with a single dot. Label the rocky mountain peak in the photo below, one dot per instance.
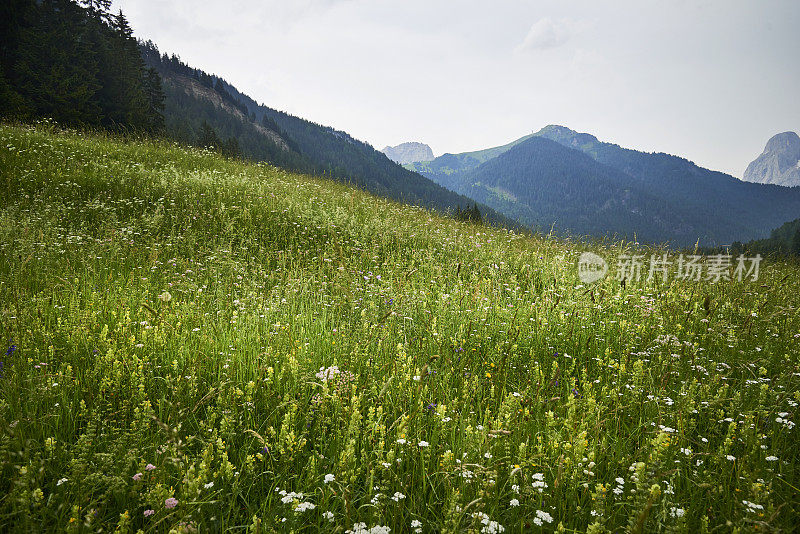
(786, 141)
(779, 163)
(408, 153)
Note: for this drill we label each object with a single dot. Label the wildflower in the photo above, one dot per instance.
(61, 481)
(542, 517)
(286, 498)
(329, 478)
(148, 513)
(489, 526)
(416, 524)
(165, 296)
(424, 444)
(401, 441)
(397, 497)
(538, 482)
(514, 502)
(328, 515)
(172, 502)
(361, 528)
(328, 373)
(149, 467)
(752, 507)
(771, 458)
(209, 485)
(303, 506)
(730, 457)
(677, 512)
(137, 477)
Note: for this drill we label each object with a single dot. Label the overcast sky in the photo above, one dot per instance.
(709, 80)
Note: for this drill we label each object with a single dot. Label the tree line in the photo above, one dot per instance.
(77, 63)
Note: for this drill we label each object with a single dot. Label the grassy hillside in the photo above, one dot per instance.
(263, 134)
(197, 344)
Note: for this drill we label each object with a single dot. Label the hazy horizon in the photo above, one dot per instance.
(710, 81)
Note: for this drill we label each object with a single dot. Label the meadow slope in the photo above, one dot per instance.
(198, 344)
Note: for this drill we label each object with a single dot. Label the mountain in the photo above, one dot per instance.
(656, 197)
(540, 182)
(195, 99)
(408, 153)
(779, 163)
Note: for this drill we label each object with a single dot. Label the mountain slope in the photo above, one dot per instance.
(779, 163)
(265, 134)
(696, 203)
(725, 201)
(243, 328)
(450, 163)
(542, 183)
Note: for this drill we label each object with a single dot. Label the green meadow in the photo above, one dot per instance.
(197, 344)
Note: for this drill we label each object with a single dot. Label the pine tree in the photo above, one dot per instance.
(155, 100)
(55, 65)
(207, 137)
(795, 248)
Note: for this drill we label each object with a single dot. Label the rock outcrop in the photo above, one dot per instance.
(408, 153)
(779, 163)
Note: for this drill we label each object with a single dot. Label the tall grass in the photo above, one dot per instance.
(198, 344)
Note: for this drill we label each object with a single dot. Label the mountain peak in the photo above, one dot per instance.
(779, 163)
(411, 152)
(783, 142)
(565, 136)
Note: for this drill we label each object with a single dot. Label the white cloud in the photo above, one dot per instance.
(548, 33)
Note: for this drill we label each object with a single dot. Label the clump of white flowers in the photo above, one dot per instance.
(538, 482)
(542, 517)
(489, 526)
(361, 528)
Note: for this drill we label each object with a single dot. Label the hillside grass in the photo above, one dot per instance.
(200, 344)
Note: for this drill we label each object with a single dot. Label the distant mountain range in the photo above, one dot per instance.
(194, 99)
(779, 163)
(408, 153)
(578, 184)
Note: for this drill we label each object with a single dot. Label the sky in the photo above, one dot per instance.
(708, 80)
